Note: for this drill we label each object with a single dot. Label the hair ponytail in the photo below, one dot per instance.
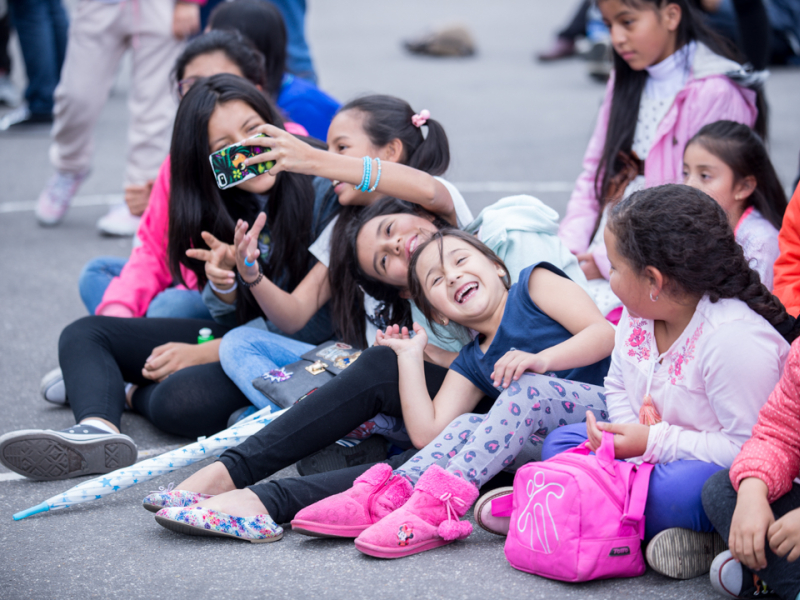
(387, 118)
(685, 234)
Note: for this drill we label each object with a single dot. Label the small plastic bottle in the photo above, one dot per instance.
(204, 335)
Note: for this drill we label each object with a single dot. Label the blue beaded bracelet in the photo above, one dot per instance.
(365, 177)
(378, 178)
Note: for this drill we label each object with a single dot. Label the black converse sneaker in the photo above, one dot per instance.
(734, 580)
(46, 455)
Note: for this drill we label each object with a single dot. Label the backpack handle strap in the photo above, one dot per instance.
(636, 498)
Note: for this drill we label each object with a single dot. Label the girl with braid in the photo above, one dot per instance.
(700, 345)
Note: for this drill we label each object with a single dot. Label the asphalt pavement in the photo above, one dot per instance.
(515, 126)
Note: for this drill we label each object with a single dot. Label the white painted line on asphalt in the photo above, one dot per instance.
(515, 187)
(11, 476)
(467, 187)
(94, 200)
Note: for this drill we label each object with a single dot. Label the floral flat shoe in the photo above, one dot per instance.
(196, 520)
(166, 497)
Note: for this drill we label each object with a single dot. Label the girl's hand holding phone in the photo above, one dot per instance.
(246, 247)
(513, 364)
(784, 535)
(288, 152)
(752, 519)
(630, 439)
(400, 340)
(219, 260)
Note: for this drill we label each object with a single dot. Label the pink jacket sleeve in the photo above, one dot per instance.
(773, 453)
(147, 273)
(583, 208)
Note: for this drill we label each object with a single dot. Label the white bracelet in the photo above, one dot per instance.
(223, 292)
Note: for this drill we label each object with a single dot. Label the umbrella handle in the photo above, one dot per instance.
(33, 510)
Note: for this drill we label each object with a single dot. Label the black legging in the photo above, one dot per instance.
(98, 355)
(368, 387)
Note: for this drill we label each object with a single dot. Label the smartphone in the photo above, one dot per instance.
(227, 164)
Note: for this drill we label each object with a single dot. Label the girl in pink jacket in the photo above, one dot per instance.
(676, 76)
(756, 505)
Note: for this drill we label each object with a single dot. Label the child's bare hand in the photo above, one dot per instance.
(171, 357)
(630, 439)
(288, 152)
(513, 364)
(219, 260)
(185, 19)
(589, 266)
(400, 340)
(246, 246)
(752, 519)
(784, 536)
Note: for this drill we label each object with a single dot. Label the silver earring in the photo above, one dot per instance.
(501, 273)
(653, 299)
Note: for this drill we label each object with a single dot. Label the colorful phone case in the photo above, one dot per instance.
(227, 164)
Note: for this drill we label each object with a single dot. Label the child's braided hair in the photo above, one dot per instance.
(685, 234)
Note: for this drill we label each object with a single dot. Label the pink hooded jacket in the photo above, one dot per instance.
(147, 273)
(708, 96)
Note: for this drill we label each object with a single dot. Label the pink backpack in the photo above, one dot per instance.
(577, 516)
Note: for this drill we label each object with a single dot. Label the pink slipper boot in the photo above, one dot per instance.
(373, 496)
(428, 520)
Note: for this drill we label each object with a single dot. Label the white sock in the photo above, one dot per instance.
(97, 423)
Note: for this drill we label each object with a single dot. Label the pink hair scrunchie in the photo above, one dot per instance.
(422, 118)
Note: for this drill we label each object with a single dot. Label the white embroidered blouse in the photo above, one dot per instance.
(708, 386)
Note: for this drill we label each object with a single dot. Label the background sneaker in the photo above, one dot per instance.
(9, 95)
(22, 117)
(734, 580)
(52, 388)
(47, 455)
(483, 512)
(683, 553)
(56, 197)
(119, 222)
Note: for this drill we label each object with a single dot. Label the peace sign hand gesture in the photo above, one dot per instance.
(219, 260)
(246, 250)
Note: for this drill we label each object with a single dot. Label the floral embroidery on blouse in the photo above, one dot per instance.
(682, 358)
(638, 341)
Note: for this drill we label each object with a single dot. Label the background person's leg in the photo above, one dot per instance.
(719, 503)
(248, 352)
(177, 303)
(96, 277)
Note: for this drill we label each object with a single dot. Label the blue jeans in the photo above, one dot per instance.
(42, 29)
(172, 303)
(248, 352)
(674, 497)
(298, 56)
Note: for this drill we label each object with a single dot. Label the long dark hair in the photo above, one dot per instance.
(233, 45)
(197, 204)
(416, 289)
(348, 311)
(742, 150)
(629, 85)
(685, 234)
(262, 23)
(385, 118)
